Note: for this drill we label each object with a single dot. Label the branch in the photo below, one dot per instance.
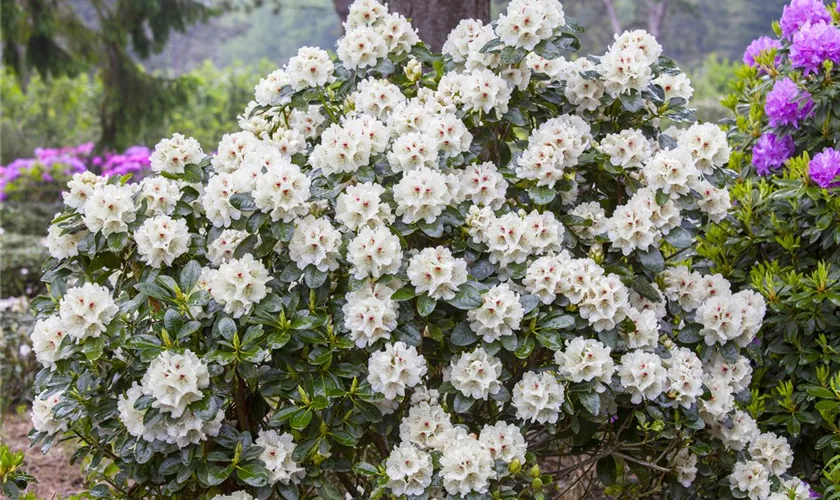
(641, 462)
(656, 14)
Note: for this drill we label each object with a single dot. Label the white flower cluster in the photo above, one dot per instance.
(86, 311)
(277, 456)
(627, 64)
(394, 369)
(161, 240)
(370, 314)
(110, 209)
(527, 22)
(553, 148)
(239, 284)
(173, 154)
(436, 272)
(160, 194)
(315, 242)
(43, 419)
(499, 315)
(348, 146)
(476, 374)
(372, 33)
(513, 237)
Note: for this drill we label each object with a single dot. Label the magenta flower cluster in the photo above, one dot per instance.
(759, 45)
(800, 13)
(824, 168)
(770, 152)
(787, 105)
(814, 44)
(51, 165)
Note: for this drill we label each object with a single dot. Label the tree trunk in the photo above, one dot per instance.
(434, 19)
(656, 15)
(615, 22)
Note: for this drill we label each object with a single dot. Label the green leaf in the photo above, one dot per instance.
(213, 473)
(301, 419)
(463, 335)
(117, 241)
(591, 401)
(189, 276)
(365, 469)
(172, 321)
(525, 348)
(314, 277)
(153, 290)
(542, 195)
(679, 238)
(652, 260)
(546, 49)
(404, 293)
(425, 305)
(557, 321)
(607, 470)
(304, 449)
(632, 101)
(253, 474)
(282, 415)
(644, 288)
(243, 201)
(94, 347)
(466, 298)
(461, 403)
(512, 55)
(192, 174)
(227, 328)
(514, 115)
(344, 438)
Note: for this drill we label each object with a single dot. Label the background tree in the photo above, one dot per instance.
(64, 37)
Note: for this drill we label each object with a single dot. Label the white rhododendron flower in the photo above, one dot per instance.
(311, 67)
(377, 98)
(538, 398)
(46, 337)
(160, 194)
(370, 314)
(175, 380)
(642, 375)
(628, 148)
(374, 252)
(62, 246)
(675, 86)
(282, 191)
(584, 360)
(552, 148)
(222, 249)
(80, 189)
(426, 426)
(239, 284)
(526, 22)
(752, 479)
(706, 143)
(216, 200)
(499, 315)
(236, 495)
(277, 457)
(110, 209)
(409, 470)
(504, 442)
(466, 466)
(685, 464)
(436, 272)
(86, 311)
(43, 419)
(476, 374)
(315, 242)
(422, 194)
(162, 239)
(396, 368)
(773, 452)
(232, 150)
(361, 205)
(173, 154)
(484, 185)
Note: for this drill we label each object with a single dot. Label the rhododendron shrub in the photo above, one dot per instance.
(413, 275)
(783, 238)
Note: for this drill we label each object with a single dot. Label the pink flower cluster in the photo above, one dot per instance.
(57, 165)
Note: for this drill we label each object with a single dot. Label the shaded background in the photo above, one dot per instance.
(123, 72)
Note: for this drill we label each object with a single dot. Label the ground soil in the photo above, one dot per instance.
(56, 477)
